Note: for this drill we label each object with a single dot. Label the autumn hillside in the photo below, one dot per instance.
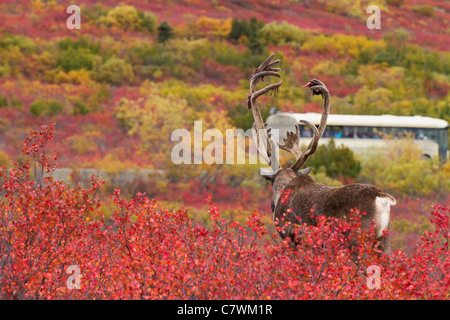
(137, 70)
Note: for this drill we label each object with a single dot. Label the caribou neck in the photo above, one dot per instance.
(286, 177)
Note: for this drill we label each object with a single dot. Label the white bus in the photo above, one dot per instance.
(363, 132)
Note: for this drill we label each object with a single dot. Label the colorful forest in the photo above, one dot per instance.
(137, 70)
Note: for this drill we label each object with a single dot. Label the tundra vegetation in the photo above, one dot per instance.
(118, 87)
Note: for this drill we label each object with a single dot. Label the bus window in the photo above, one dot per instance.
(348, 132)
(432, 134)
(377, 133)
(413, 132)
(305, 131)
(364, 132)
(443, 143)
(395, 132)
(337, 131)
(333, 131)
(422, 134)
(442, 137)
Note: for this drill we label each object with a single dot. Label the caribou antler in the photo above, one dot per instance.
(261, 136)
(291, 142)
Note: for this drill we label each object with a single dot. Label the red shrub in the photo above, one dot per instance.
(152, 253)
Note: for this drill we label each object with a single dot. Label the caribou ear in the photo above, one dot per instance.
(303, 171)
(268, 174)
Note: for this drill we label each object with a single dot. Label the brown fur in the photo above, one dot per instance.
(307, 194)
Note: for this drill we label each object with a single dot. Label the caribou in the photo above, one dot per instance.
(305, 194)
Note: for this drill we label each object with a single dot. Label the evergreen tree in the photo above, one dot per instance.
(165, 32)
(236, 29)
(249, 29)
(255, 45)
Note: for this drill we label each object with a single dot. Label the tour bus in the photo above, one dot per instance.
(368, 132)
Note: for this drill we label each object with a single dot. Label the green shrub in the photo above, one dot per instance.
(349, 8)
(227, 55)
(127, 17)
(148, 21)
(80, 108)
(396, 3)
(83, 42)
(76, 59)
(25, 44)
(49, 107)
(38, 107)
(281, 33)
(425, 10)
(123, 17)
(5, 160)
(114, 71)
(242, 118)
(3, 102)
(55, 107)
(94, 12)
(337, 161)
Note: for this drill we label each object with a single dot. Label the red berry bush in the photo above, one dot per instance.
(49, 229)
